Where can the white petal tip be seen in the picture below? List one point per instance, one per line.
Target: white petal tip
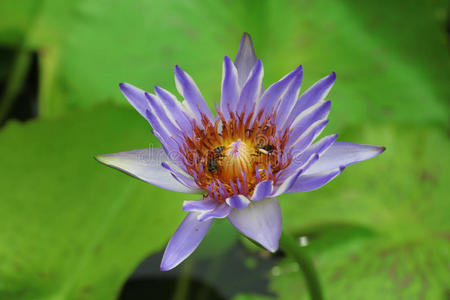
(102, 158)
(271, 248)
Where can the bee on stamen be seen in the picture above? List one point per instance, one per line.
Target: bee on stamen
(218, 151)
(265, 149)
(212, 165)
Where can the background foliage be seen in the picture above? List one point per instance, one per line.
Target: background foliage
(72, 229)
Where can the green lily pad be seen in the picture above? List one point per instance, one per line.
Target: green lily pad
(71, 227)
(381, 227)
(387, 70)
(252, 297)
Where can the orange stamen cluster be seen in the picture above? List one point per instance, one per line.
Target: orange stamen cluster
(232, 155)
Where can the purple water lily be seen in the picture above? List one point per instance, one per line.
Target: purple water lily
(259, 146)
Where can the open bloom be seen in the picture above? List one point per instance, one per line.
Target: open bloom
(259, 146)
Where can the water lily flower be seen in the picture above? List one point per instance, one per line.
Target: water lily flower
(260, 145)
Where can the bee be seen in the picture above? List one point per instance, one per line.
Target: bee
(212, 165)
(218, 151)
(265, 149)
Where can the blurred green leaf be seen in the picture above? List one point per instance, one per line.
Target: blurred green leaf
(74, 229)
(71, 227)
(392, 58)
(413, 270)
(252, 297)
(402, 190)
(380, 228)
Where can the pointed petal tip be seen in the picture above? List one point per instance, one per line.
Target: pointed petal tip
(273, 248)
(260, 222)
(102, 158)
(258, 66)
(177, 70)
(124, 87)
(378, 150)
(127, 88)
(272, 245)
(246, 45)
(165, 268)
(149, 97)
(344, 154)
(98, 157)
(246, 36)
(184, 241)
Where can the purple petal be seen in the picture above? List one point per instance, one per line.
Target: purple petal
(251, 92)
(145, 164)
(190, 92)
(200, 205)
(288, 100)
(277, 92)
(344, 154)
(310, 182)
(230, 87)
(316, 112)
(238, 201)
(184, 241)
(136, 97)
(307, 137)
(158, 111)
(174, 109)
(245, 59)
(262, 190)
(182, 177)
(260, 221)
(162, 134)
(316, 148)
(288, 179)
(311, 96)
(220, 211)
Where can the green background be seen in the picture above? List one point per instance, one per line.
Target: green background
(71, 228)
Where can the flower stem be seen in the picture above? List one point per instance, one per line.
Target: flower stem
(292, 248)
(19, 69)
(182, 287)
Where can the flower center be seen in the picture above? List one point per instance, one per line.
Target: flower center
(233, 155)
(237, 159)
